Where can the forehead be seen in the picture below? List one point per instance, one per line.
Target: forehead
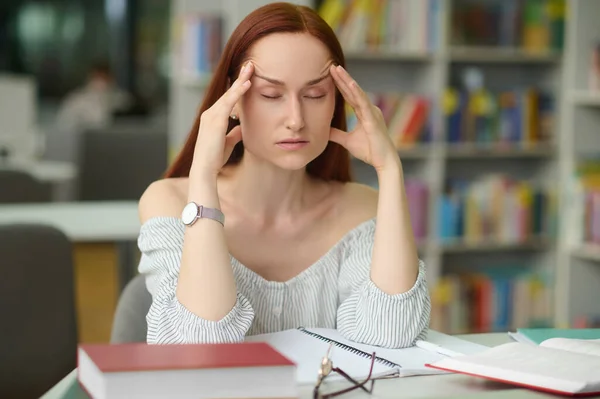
(290, 56)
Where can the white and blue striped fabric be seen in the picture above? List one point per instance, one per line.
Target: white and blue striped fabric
(334, 292)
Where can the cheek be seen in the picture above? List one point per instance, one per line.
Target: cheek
(321, 113)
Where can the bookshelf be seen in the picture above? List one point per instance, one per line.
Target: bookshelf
(428, 68)
(579, 263)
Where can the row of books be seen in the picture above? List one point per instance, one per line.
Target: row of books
(492, 301)
(406, 115)
(518, 118)
(200, 41)
(587, 321)
(384, 25)
(594, 68)
(417, 193)
(496, 208)
(588, 200)
(533, 25)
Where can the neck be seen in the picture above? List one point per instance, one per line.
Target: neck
(265, 192)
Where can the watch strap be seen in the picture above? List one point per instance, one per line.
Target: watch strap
(211, 213)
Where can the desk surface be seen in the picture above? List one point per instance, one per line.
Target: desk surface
(48, 171)
(436, 386)
(104, 221)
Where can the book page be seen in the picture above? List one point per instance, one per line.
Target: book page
(307, 352)
(588, 346)
(533, 365)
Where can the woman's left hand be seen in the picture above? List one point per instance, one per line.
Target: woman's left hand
(369, 141)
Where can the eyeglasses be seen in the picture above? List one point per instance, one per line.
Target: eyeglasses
(327, 367)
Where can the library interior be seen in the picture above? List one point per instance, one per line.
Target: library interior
(491, 105)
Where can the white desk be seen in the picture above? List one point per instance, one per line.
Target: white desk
(62, 176)
(103, 221)
(436, 386)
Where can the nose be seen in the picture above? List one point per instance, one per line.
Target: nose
(295, 120)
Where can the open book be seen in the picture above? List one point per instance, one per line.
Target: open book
(307, 346)
(558, 365)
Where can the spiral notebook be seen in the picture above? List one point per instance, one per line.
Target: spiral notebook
(307, 346)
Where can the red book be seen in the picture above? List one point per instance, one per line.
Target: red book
(139, 370)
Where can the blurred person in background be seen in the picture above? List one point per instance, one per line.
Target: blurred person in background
(94, 104)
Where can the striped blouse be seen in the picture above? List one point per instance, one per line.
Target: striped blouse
(334, 292)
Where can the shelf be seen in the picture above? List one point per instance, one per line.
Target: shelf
(406, 56)
(500, 55)
(194, 80)
(586, 98)
(416, 152)
(472, 151)
(588, 252)
(529, 245)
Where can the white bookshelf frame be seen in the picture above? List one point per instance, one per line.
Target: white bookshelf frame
(432, 161)
(578, 272)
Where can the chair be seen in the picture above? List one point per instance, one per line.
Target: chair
(129, 324)
(38, 344)
(119, 163)
(18, 186)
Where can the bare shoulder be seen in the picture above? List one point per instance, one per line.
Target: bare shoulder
(164, 197)
(359, 202)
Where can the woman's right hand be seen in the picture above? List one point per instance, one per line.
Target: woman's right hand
(214, 145)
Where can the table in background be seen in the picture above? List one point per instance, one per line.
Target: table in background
(105, 253)
(435, 386)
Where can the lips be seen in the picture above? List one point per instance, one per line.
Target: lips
(292, 144)
(292, 141)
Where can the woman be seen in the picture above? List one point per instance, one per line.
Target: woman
(299, 245)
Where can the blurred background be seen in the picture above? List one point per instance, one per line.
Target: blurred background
(494, 106)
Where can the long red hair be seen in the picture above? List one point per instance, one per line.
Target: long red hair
(334, 162)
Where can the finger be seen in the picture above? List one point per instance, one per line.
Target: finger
(338, 136)
(362, 101)
(231, 139)
(237, 89)
(343, 87)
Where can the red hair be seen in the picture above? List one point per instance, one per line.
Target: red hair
(331, 164)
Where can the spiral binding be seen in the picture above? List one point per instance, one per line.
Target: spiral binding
(350, 348)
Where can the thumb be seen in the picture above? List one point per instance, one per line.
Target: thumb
(231, 139)
(338, 136)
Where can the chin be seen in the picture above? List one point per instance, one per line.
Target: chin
(292, 161)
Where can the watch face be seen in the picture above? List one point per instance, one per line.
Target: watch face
(189, 213)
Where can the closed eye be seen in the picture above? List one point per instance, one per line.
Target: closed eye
(316, 97)
(270, 97)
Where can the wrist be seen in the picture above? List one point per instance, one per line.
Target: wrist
(203, 175)
(392, 168)
(202, 189)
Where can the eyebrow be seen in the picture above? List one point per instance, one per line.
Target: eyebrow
(280, 83)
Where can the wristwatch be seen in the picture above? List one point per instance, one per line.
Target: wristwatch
(192, 212)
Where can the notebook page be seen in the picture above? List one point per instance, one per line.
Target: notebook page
(454, 343)
(588, 346)
(412, 360)
(534, 365)
(307, 352)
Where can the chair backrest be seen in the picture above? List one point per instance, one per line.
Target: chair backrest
(38, 339)
(129, 323)
(17, 186)
(120, 163)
